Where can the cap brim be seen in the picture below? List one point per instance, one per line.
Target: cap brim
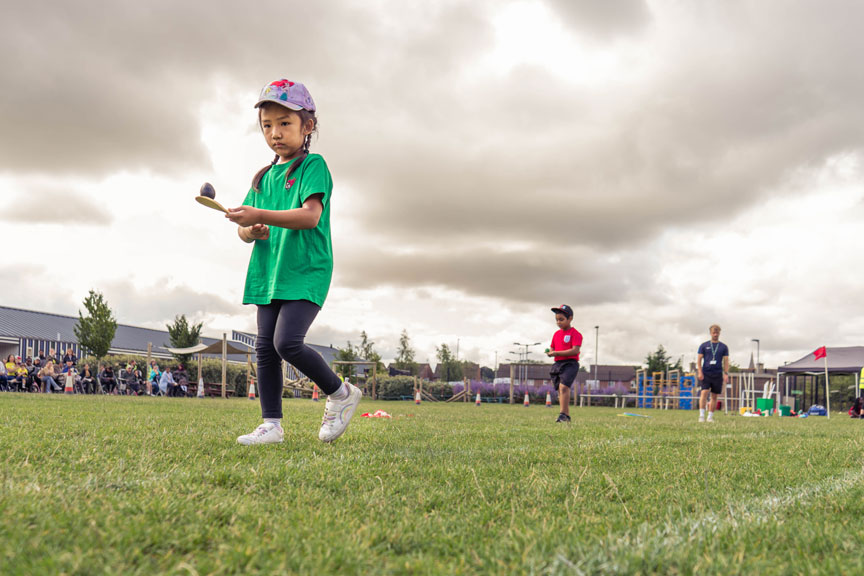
(560, 311)
(288, 105)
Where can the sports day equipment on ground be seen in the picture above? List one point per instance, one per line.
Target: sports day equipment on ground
(376, 414)
(207, 197)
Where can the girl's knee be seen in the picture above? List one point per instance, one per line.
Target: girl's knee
(289, 348)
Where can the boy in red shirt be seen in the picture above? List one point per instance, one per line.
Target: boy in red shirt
(565, 347)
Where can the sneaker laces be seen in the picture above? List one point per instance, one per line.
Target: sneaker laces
(329, 417)
(262, 430)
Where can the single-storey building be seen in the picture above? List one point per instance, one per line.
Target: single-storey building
(27, 332)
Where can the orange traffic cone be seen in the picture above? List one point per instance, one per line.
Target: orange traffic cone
(477, 401)
(527, 400)
(70, 383)
(548, 400)
(314, 393)
(417, 398)
(200, 393)
(251, 389)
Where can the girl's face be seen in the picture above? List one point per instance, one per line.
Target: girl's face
(284, 131)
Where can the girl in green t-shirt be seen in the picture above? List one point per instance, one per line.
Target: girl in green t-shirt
(286, 215)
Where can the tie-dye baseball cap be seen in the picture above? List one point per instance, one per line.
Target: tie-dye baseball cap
(292, 95)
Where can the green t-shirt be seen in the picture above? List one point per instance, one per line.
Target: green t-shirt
(292, 264)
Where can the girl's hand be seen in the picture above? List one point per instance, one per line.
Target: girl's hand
(244, 215)
(259, 232)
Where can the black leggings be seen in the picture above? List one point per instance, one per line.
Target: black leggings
(282, 327)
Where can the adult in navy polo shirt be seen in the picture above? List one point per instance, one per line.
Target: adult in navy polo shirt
(712, 364)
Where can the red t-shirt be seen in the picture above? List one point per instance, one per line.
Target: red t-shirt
(564, 340)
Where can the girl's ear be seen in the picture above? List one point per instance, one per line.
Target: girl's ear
(309, 127)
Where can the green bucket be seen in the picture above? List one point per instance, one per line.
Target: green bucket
(785, 410)
(765, 404)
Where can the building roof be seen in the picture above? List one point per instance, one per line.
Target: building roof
(612, 373)
(20, 323)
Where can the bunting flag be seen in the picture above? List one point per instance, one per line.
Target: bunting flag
(820, 353)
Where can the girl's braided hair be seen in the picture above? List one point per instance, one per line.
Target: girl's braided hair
(305, 116)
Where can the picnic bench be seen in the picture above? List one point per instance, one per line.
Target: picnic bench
(211, 389)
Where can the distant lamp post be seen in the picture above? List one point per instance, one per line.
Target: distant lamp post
(596, 354)
(756, 340)
(524, 369)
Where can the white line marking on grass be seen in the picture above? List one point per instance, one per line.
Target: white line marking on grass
(649, 540)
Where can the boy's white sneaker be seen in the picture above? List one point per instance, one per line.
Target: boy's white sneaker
(266, 433)
(710, 416)
(338, 413)
(701, 418)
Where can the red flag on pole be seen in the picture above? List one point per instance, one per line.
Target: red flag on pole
(820, 353)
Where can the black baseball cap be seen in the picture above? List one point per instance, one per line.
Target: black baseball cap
(563, 309)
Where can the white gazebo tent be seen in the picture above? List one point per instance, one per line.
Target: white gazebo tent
(224, 348)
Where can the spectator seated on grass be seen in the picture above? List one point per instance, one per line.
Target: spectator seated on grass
(153, 378)
(35, 383)
(69, 360)
(49, 375)
(166, 382)
(4, 378)
(857, 409)
(87, 380)
(107, 379)
(10, 366)
(182, 380)
(18, 376)
(136, 381)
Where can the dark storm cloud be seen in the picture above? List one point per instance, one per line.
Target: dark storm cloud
(517, 277)
(140, 307)
(741, 109)
(43, 205)
(118, 84)
(609, 17)
(443, 159)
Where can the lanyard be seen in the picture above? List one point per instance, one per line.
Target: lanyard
(714, 351)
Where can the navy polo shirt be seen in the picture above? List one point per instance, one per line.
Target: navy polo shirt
(713, 353)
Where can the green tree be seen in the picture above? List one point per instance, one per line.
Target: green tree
(347, 354)
(488, 374)
(660, 361)
(451, 369)
(95, 332)
(182, 335)
(405, 355)
(367, 351)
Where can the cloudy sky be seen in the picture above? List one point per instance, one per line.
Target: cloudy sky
(658, 165)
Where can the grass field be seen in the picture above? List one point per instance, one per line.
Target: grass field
(108, 485)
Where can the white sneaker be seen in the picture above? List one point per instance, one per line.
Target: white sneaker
(701, 418)
(266, 433)
(710, 416)
(338, 413)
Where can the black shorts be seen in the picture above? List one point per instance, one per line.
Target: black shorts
(564, 372)
(712, 381)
